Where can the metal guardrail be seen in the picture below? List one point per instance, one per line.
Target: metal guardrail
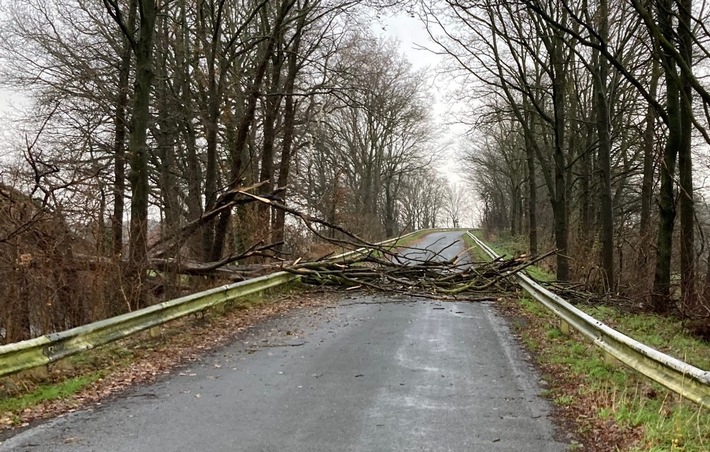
(55, 346)
(52, 347)
(687, 380)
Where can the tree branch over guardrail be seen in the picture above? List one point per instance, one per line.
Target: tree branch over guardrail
(52, 347)
(687, 380)
(416, 271)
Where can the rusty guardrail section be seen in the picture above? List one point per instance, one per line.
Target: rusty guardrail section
(687, 380)
(52, 347)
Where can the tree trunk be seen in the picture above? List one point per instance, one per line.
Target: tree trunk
(585, 204)
(685, 167)
(661, 297)
(532, 198)
(648, 163)
(193, 166)
(289, 121)
(211, 125)
(245, 123)
(240, 143)
(559, 208)
(138, 176)
(604, 152)
(272, 106)
(514, 209)
(287, 139)
(119, 144)
(165, 136)
(212, 39)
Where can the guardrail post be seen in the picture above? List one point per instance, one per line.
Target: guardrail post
(154, 332)
(565, 328)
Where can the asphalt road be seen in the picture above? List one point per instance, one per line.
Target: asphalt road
(439, 246)
(370, 374)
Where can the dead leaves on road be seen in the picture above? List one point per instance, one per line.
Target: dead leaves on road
(142, 359)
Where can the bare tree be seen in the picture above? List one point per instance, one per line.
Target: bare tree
(375, 132)
(454, 204)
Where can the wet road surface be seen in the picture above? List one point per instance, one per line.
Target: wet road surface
(437, 246)
(373, 373)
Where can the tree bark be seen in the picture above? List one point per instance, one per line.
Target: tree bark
(138, 148)
(661, 297)
(648, 164)
(272, 106)
(245, 123)
(119, 144)
(604, 151)
(287, 139)
(559, 207)
(193, 166)
(532, 197)
(685, 166)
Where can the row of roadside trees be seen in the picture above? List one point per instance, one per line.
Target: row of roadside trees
(147, 118)
(592, 115)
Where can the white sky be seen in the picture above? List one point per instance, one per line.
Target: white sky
(10, 103)
(414, 40)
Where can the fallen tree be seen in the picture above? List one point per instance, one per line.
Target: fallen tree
(406, 270)
(401, 271)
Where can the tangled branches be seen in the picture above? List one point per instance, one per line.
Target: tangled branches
(418, 272)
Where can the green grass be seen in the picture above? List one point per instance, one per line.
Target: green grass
(510, 247)
(662, 333)
(612, 391)
(534, 307)
(48, 392)
(473, 249)
(617, 393)
(74, 373)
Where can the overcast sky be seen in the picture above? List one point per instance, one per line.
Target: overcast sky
(414, 42)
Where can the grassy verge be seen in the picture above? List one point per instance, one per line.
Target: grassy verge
(610, 406)
(507, 246)
(476, 253)
(47, 392)
(32, 394)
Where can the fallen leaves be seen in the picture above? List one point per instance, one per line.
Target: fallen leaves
(180, 343)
